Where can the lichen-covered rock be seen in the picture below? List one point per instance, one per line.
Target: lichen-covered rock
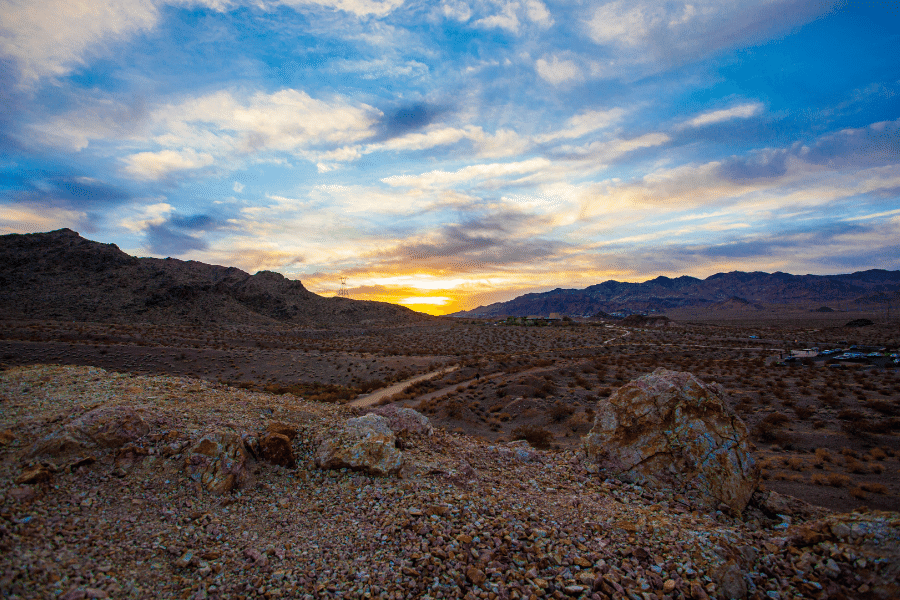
(105, 427)
(405, 423)
(275, 448)
(218, 461)
(672, 430)
(365, 443)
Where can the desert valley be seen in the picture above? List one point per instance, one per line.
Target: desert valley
(215, 434)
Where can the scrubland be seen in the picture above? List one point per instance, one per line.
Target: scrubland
(830, 436)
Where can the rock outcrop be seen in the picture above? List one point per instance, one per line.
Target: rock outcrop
(106, 427)
(275, 448)
(405, 423)
(218, 461)
(365, 443)
(670, 429)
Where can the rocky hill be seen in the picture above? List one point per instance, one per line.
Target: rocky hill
(872, 289)
(113, 486)
(61, 276)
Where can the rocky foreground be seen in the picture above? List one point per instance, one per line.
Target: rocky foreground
(158, 487)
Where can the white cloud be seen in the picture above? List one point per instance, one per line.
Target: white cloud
(481, 172)
(224, 128)
(24, 218)
(51, 37)
(156, 165)
(538, 13)
(458, 11)
(143, 217)
(238, 187)
(510, 14)
(608, 150)
(743, 111)
(583, 124)
(360, 8)
(558, 70)
(656, 34)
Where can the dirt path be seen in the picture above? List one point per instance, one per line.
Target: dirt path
(374, 397)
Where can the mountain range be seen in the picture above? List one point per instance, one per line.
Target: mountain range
(62, 276)
(865, 290)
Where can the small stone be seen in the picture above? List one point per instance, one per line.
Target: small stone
(35, 474)
(95, 593)
(464, 538)
(22, 494)
(840, 531)
(185, 559)
(582, 562)
(74, 594)
(475, 575)
(415, 512)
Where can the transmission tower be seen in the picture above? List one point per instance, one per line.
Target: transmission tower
(343, 292)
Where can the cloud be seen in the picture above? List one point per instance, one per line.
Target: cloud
(503, 238)
(146, 216)
(743, 111)
(510, 15)
(583, 124)
(156, 165)
(762, 164)
(360, 8)
(65, 190)
(223, 128)
(162, 240)
(650, 35)
(409, 118)
(614, 149)
(877, 144)
(51, 37)
(558, 71)
(28, 218)
(491, 171)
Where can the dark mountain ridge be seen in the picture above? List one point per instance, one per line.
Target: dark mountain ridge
(872, 289)
(62, 276)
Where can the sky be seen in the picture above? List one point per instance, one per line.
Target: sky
(449, 154)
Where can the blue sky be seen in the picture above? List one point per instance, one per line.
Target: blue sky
(449, 154)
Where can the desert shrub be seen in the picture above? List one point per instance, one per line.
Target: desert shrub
(804, 411)
(837, 480)
(795, 463)
(875, 488)
(560, 412)
(858, 492)
(775, 419)
(855, 466)
(885, 408)
(824, 455)
(537, 437)
(878, 453)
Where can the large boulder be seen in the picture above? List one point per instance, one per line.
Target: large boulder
(105, 427)
(405, 423)
(365, 444)
(669, 429)
(218, 461)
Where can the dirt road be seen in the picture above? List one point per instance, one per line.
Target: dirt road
(374, 397)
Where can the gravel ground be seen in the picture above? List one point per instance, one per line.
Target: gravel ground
(472, 520)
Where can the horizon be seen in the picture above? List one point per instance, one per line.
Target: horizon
(445, 156)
